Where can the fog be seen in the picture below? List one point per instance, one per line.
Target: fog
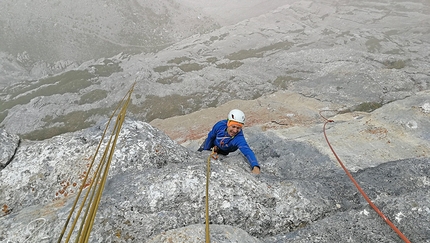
(64, 60)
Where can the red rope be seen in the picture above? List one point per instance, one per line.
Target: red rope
(401, 235)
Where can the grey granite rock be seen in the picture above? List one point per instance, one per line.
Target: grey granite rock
(348, 53)
(363, 64)
(197, 234)
(9, 145)
(156, 190)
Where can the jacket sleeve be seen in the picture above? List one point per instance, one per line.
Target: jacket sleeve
(247, 152)
(209, 142)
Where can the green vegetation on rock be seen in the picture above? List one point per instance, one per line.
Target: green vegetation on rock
(107, 69)
(93, 96)
(71, 122)
(368, 106)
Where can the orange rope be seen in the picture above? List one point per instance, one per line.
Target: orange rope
(401, 235)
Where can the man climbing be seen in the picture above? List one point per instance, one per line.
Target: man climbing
(227, 136)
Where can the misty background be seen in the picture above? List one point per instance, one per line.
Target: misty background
(65, 65)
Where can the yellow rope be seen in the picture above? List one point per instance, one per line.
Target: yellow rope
(89, 223)
(96, 186)
(208, 240)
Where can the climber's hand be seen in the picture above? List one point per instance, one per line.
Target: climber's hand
(255, 170)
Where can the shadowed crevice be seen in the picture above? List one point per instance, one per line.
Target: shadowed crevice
(12, 157)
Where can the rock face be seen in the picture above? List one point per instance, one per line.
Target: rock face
(10, 144)
(196, 234)
(354, 54)
(363, 65)
(156, 187)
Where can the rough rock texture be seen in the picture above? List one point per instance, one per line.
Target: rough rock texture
(400, 190)
(196, 234)
(156, 188)
(10, 144)
(394, 131)
(347, 52)
(363, 64)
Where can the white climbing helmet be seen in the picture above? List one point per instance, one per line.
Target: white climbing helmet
(236, 115)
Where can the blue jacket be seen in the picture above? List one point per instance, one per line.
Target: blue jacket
(219, 137)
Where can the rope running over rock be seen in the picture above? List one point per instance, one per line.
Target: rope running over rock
(401, 235)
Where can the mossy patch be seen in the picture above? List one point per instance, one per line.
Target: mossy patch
(3, 115)
(69, 82)
(398, 64)
(71, 122)
(169, 80)
(93, 96)
(164, 107)
(230, 65)
(214, 38)
(167, 106)
(57, 81)
(189, 67)
(283, 45)
(244, 54)
(211, 59)
(179, 60)
(368, 106)
(373, 45)
(257, 53)
(161, 69)
(185, 67)
(284, 81)
(107, 69)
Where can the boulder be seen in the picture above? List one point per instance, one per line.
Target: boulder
(155, 192)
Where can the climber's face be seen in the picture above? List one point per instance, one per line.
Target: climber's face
(233, 130)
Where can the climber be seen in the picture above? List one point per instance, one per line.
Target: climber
(227, 136)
